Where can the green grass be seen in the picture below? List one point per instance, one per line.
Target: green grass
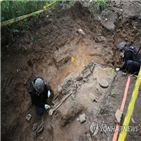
(101, 4)
(13, 9)
(101, 111)
(113, 92)
(112, 70)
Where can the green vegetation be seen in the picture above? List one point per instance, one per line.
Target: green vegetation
(14, 9)
(101, 4)
(10, 9)
(98, 6)
(112, 70)
(113, 93)
(101, 110)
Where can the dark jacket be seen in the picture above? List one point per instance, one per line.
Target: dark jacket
(130, 54)
(41, 99)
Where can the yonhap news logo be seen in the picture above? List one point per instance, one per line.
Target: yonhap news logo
(95, 127)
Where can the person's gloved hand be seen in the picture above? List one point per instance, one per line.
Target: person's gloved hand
(117, 69)
(122, 55)
(48, 94)
(46, 106)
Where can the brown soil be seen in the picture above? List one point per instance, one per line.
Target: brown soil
(55, 41)
(110, 104)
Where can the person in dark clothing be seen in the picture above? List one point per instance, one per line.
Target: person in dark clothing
(130, 58)
(39, 93)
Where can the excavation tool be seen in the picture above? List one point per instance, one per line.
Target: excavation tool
(59, 104)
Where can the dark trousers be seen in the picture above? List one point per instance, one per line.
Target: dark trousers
(39, 110)
(132, 66)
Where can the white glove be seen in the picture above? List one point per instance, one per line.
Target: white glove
(122, 55)
(117, 69)
(48, 94)
(47, 106)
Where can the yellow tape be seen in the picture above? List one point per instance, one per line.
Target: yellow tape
(26, 16)
(130, 110)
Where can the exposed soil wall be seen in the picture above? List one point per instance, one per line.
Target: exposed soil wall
(55, 40)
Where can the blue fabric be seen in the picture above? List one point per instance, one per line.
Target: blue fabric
(132, 66)
(128, 60)
(39, 100)
(39, 110)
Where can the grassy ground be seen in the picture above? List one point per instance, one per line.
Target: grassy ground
(13, 9)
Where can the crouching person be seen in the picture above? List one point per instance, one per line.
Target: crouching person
(132, 60)
(133, 66)
(39, 93)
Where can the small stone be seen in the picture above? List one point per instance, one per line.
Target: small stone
(73, 97)
(118, 116)
(124, 73)
(28, 117)
(79, 77)
(18, 70)
(80, 31)
(85, 80)
(103, 83)
(133, 120)
(59, 89)
(35, 126)
(78, 119)
(82, 118)
(106, 20)
(25, 81)
(99, 18)
(93, 97)
(126, 39)
(118, 30)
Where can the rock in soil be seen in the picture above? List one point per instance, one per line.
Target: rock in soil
(82, 118)
(118, 115)
(93, 97)
(79, 77)
(80, 31)
(103, 83)
(28, 117)
(59, 89)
